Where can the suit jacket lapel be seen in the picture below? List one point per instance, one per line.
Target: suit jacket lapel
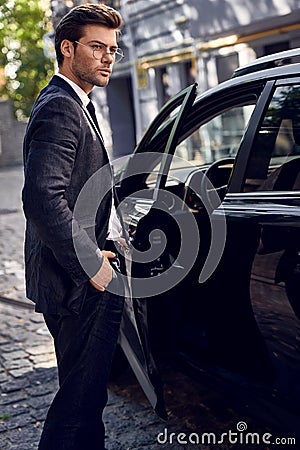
(58, 81)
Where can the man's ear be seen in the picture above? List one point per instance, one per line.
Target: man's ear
(67, 48)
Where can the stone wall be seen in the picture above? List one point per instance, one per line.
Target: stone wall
(11, 136)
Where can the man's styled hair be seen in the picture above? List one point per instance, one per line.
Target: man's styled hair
(71, 25)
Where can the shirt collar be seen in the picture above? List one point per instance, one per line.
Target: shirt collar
(80, 92)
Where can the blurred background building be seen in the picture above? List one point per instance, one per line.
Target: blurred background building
(169, 44)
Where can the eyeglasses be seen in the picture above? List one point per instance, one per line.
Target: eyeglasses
(100, 50)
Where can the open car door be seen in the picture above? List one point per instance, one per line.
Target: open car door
(137, 212)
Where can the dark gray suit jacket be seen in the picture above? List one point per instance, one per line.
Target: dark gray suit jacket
(61, 152)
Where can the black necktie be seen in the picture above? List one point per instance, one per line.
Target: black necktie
(91, 109)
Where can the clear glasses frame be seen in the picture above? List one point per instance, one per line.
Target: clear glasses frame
(100, 50)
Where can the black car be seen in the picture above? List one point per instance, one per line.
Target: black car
(211, 202)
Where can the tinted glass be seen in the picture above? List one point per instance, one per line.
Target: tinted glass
(275, 158)
(218, 138)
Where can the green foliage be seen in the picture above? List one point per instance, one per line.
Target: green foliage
(24, 69)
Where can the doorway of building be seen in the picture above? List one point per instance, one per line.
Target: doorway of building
(121, 114)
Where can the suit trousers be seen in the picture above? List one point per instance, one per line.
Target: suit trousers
(84, 345)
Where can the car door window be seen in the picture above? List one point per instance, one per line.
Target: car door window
(218, 138)
(212, 131)
(275, 157)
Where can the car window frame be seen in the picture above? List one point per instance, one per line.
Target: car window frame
(210, 104)
(238, 177)
(261, 206)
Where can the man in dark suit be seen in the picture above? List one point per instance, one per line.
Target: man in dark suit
(68, 274)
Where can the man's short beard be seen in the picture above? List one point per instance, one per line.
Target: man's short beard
(87, 78)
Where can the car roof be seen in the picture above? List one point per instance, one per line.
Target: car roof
(262, 69)
(267, 62)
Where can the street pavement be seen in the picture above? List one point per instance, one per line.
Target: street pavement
(28, 375)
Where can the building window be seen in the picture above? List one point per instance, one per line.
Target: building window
(277, 47)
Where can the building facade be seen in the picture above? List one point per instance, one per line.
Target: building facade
(169, 44)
